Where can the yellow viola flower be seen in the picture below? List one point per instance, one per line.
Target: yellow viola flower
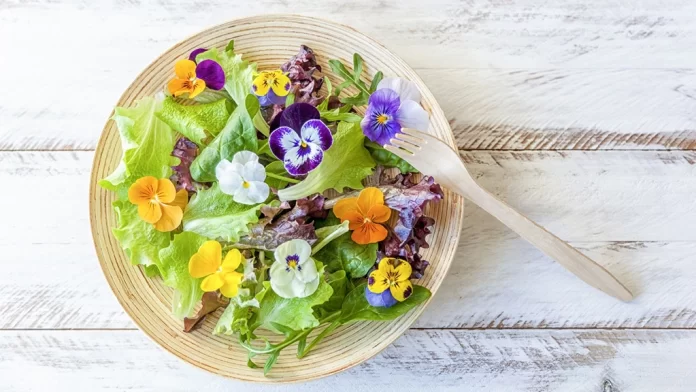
(158, 202)
(186, 80)
(219, 274)
(271, 80)
(393, 275)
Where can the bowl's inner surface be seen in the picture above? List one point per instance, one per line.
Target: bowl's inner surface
(269, 41)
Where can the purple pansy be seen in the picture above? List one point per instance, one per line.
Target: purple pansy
(301, 139)
(393, 106)
(385, 299)
(208, 70)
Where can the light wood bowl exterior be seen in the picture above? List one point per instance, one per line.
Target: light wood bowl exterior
(269, 41)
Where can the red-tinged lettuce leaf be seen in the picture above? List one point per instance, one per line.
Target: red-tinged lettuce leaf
(210, 302)
(186, 151)
(409, 199)
(283, 222)
(301, 69)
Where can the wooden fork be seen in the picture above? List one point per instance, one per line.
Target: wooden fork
(434, 157)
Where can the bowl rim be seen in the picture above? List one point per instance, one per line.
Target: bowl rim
(93, 203)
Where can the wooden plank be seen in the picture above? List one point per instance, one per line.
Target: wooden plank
(609, 204)
(520, 74)
(448, 360)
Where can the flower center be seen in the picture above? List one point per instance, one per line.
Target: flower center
(303, 144)
(293, 262)
(367, 220)
(382, 119)
(246, 184)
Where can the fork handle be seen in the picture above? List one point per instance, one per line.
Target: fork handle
(582, 266)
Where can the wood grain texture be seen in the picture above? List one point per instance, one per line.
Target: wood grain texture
(510, 75)
(442, 360)
(496, 281)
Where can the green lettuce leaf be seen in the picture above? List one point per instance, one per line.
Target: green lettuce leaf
(387, 159)
(196, 122)
(344, 254)
(355, 306)
(174, 261)
(139, 239)
(283, 314)
(147, 143)
(238, 73)
(214, 214)
(236, 316)
(339, 283)
(327, 234)
(239, 134)
(345, 165)
(276, 167)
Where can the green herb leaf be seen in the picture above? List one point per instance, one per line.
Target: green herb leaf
(387, 159)
(357, 67)
(254, 110)
(355, 306)
(174, 268)
(146, 140)
(375, 81)
(327, 234)
(196, 122)
(345, 165)
(238, 135)
(289, 100)
(292, 313)
(344, 254)
(270, 362)
(214, 214)
(337, 115)
(339, 283)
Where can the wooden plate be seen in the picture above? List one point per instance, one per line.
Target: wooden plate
(269, 41)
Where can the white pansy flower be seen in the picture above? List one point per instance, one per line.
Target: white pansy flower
(243, 178)
(294, 273)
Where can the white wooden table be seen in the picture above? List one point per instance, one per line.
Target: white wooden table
(582, 114)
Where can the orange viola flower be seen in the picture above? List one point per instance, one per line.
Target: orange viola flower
(158, 202)
(364, 214)
(186, 80)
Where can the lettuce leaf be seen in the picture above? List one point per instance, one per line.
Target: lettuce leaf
(344, 254)
(146, 141)
(139, 239)
(278, 314)
(214, 214)
(239, 134)
(236, 316)
(329, 233)
(387, 159)
(345, 165)
(238, 73)
(174, 261)
(196, 122)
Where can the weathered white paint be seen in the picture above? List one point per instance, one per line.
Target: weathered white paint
(510, 75)
(52, 278)
(438, 360)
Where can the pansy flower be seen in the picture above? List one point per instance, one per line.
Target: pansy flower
(271, 87)
(389, 283)
(395, 105)
(218, 274)
(301, 139)
(243, 178)
(294, 273)
(365, 214)
(192, 78)
(158, 202)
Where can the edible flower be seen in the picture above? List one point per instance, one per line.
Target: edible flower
(192, 78)
(271, 87)
(158, 202)
(243, 178)
(365, 213)
(294, 273)
(218, 274)
(395, 105)
(301, 139)
(389, 283)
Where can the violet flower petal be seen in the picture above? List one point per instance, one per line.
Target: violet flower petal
(282, 140)
(382, 300)
(303, 159)
(270, 99)
(295, 115)
(195, 53)
(211, 72)
(381, 121)
(316, 132)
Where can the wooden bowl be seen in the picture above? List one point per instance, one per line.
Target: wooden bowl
(269, 41)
